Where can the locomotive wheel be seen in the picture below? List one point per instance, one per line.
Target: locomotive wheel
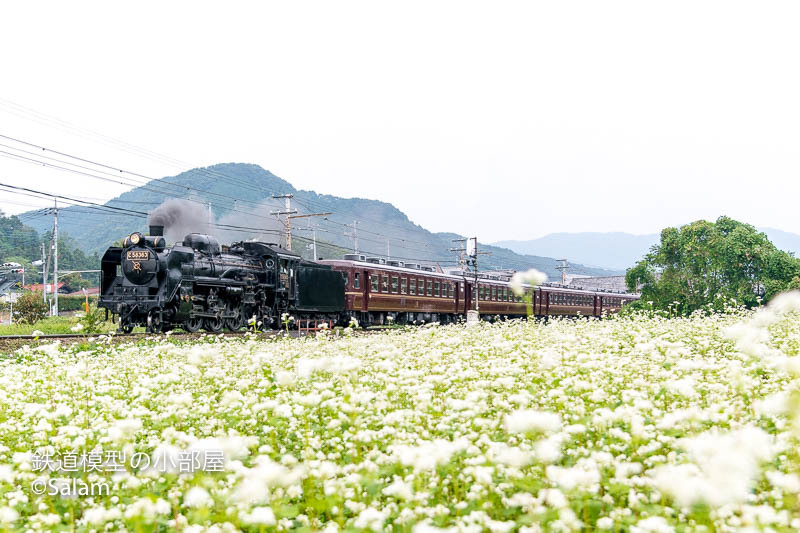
(124, 327)
(193, 324)
(236, 322)
(155, 323)
(213, 325)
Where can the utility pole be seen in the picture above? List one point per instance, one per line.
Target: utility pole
(461, 254)
(47, 273)
(563, 268)
(353, 235)
(55, 258)
(473, 253)
(44, 276)
(387, 250)
(287, 211)
(289, 228)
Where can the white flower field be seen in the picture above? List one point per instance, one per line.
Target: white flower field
(640, 424)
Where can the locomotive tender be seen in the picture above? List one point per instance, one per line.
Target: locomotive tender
(199, 284)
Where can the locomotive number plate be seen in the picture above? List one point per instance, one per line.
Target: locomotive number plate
(138, 255)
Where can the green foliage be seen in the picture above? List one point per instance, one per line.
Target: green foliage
(74, 303)
(53, 325)
(706, 265)
(29, 307)
(21, 244)
(16, 239)
(94, 321)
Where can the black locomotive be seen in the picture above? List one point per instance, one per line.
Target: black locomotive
(198, 284)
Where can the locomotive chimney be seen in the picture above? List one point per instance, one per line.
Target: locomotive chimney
(156, 231)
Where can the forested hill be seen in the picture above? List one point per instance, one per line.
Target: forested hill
(239, 196)
(21, 244)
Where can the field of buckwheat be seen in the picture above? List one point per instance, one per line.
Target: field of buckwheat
(641, 424)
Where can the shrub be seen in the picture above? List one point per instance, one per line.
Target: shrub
(30, 308)
(93, 321)
(74, 303)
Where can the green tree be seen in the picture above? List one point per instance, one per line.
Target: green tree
(29, 307)
(16, 239)
(709, 264)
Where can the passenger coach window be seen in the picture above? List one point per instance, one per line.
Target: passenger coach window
(421, 287)
(482, 293)
(346, 279)
(356, 281)
(374, 283)
(394, 284)
(403, 285)
(385, 284)
(412, 286)
(450, 290)
(494, 293)
(436, 288)
(429, 292)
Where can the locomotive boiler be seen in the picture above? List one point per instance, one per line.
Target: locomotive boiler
(197, 284)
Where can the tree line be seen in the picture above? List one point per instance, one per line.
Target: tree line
(711, 266)
(22, 244)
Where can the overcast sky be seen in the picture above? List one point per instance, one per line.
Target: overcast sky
(504, 120)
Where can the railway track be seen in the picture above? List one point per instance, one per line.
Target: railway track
(115, 335)
(11, 342)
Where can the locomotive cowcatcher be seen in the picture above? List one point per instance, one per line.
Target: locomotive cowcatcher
(198, 284)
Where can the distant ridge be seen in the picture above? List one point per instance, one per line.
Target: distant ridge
(617, 250)
(247, 183)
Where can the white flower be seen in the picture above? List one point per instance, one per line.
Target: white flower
(531, 278)
(285, 378)
(124, 429)
(653, 524)
(197, 497)
(8, 515)
(100, 515)
(371, 519)
(259, 516)
(76, 328)
(605, 523)
(723, 471)
(526, 420)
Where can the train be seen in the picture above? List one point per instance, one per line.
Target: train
(199, 284)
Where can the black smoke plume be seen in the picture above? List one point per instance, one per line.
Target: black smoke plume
(181, 217)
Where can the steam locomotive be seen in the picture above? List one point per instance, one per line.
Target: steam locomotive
(199, 284)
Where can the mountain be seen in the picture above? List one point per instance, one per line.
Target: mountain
(239, 197)
(788, 242)
(616, 250)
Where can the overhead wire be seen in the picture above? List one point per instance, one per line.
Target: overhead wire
(127, 212)
(206, 171)
(149, 154)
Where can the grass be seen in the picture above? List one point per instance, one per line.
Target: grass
(49, 326)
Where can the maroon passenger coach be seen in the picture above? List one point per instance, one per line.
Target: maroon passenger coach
(379, 293)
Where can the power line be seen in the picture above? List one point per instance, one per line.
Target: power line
(140, 214)
(148, 185)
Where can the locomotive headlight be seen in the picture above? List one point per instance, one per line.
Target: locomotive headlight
(135, 238)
